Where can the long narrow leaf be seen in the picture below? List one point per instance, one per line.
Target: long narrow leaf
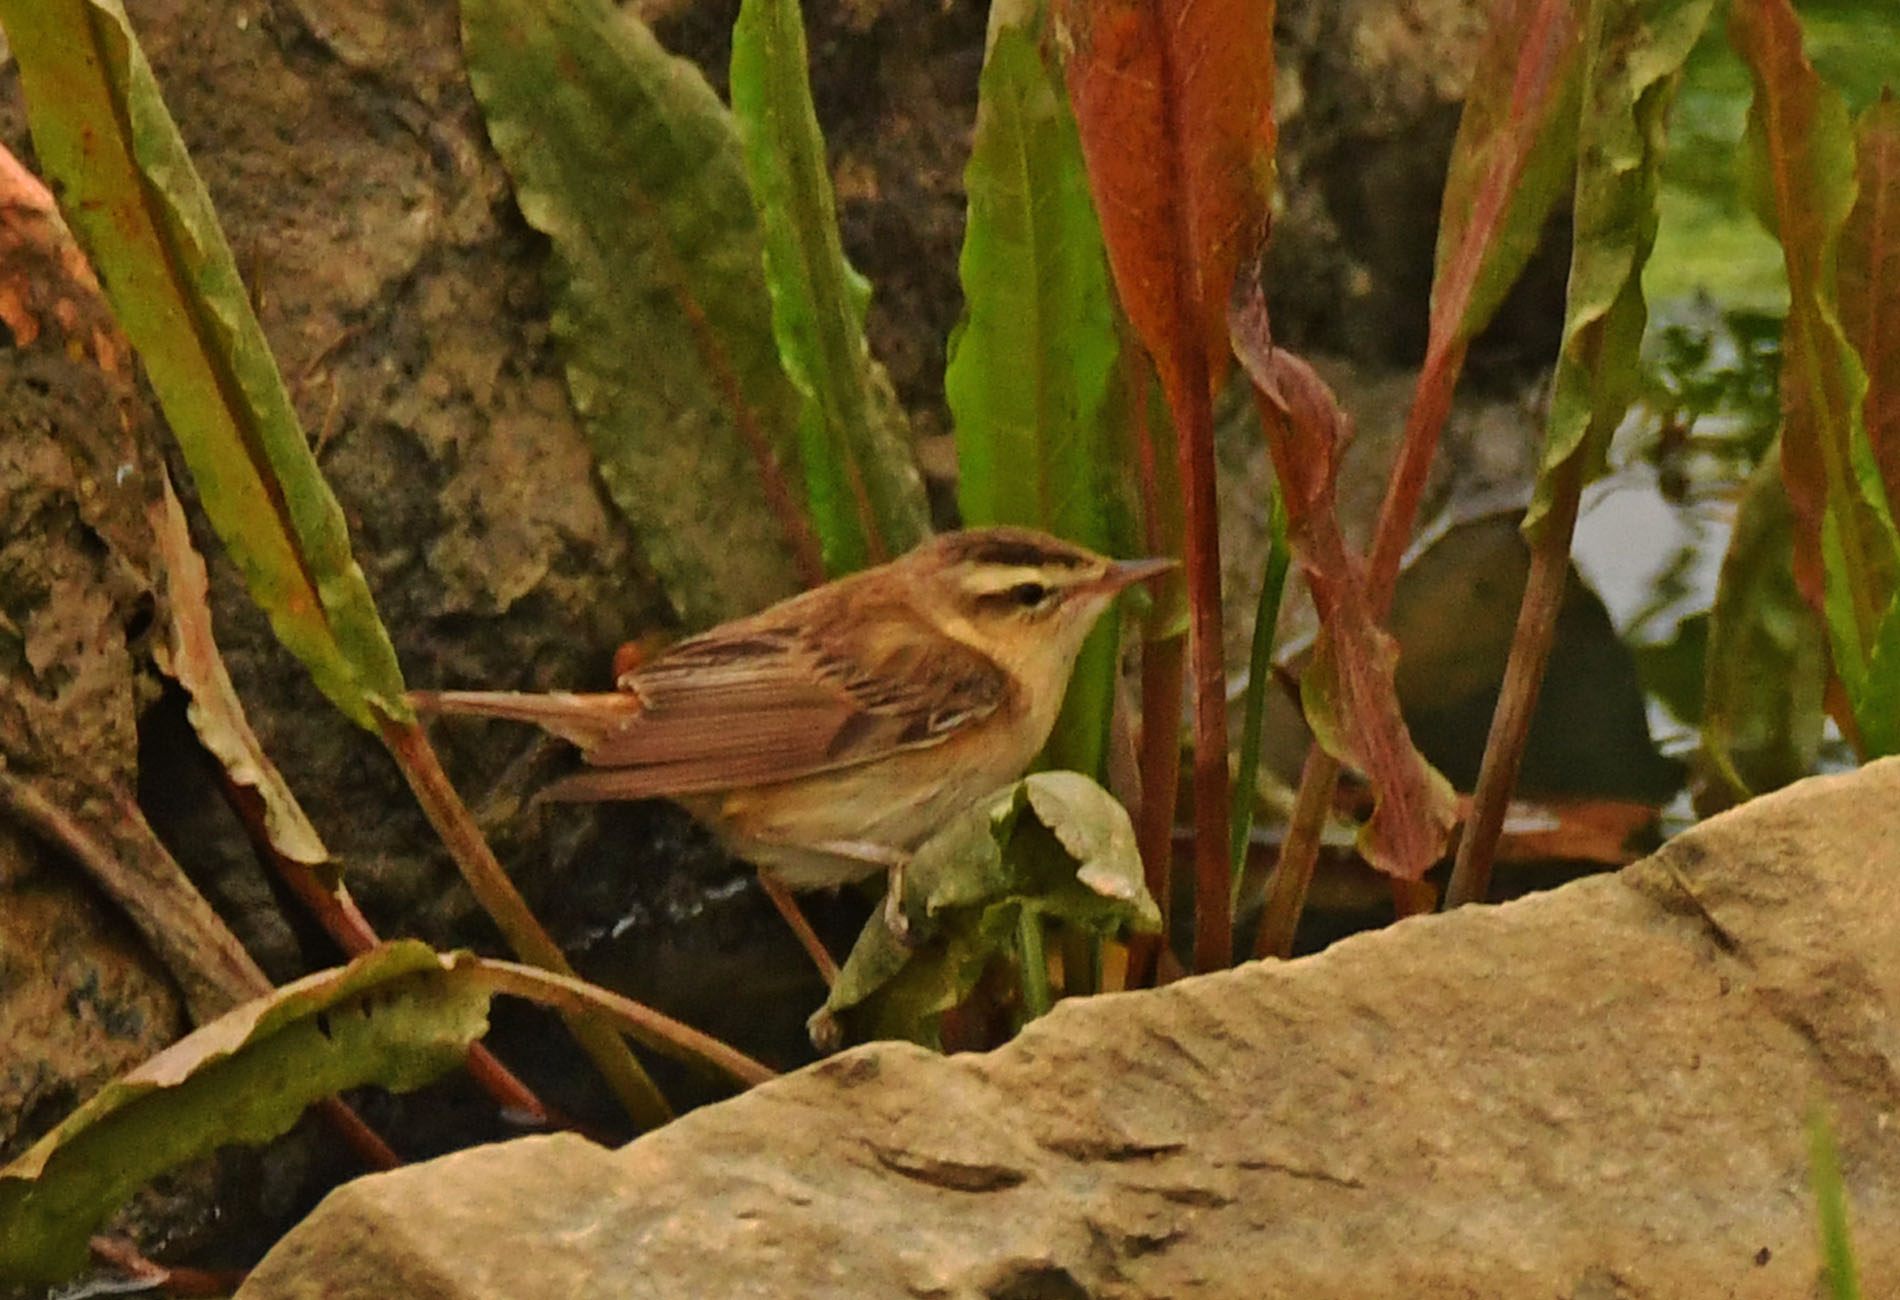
(1511, 163)
(1174, 103)
(624, 156)
(1830, 1200)
(1032, 363)
(1870, 281)
(1801, 151)
(1635, 52)
(131, 195)
(867, 496)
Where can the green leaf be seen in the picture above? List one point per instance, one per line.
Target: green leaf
(1032, 361)
(1766, 664)
(1801, 155)
(866, 495)
(137, 206)
(398, 1017)
(1512, 162)
(625, 158)
(1830, 1197)
(1634, 52)
(1054, 845)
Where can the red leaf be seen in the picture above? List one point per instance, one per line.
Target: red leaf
(1351, 701)
(1870, 281)
(1173, 100)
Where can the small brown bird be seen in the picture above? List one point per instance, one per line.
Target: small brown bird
(827, 737)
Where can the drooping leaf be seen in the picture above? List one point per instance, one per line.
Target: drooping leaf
(1870, 281)
(1053, 845)
(1174, 103)
(1348, 692)
(1634, 51)
(1766, 664)
(866, 495)
(625, 158)
(191, 656)
(1800, 151)
(399, 1017)
(130, 193)
(1032, 362)
(1511, 163)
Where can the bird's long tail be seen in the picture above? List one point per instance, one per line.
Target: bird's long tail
(583, 720)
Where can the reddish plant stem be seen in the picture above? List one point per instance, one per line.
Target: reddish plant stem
(1517, 699)
(1188, 383)
(413, 753)
(1398, 515)
(775, 889)
(336, 911)
(1162, 667)
(1213, 895)
(357, 1134)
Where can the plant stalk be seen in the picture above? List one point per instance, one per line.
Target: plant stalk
(410, 747)
(1037, 999)
(1523, 675)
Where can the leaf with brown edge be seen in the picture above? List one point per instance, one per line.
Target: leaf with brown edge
(1870, 281)
(1801, 168)
(1511, 163)
(140, 210)
(189, 654)
(1348, 692)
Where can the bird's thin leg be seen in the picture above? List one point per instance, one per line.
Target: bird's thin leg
(893, 860)
(781, 896)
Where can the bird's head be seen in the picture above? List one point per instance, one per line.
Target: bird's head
(1024, 598)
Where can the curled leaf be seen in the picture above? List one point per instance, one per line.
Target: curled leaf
(1348, 692)
(190, 655)
(1054, 844)
(399, 1017)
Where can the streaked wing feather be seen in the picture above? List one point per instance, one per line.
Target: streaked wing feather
(764, 702)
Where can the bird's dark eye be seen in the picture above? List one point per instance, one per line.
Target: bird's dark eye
(1029, 594)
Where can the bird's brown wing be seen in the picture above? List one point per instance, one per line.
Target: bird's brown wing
(770, 700)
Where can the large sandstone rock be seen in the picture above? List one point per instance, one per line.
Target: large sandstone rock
(1597, 1094)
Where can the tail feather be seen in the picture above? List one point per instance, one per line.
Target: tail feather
(583, 720)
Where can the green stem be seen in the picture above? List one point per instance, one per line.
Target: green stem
(1037, 998)
(1259, 678)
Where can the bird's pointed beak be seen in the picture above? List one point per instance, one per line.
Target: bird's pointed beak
(1126, 573)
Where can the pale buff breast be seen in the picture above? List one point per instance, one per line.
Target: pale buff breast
(895, 802)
